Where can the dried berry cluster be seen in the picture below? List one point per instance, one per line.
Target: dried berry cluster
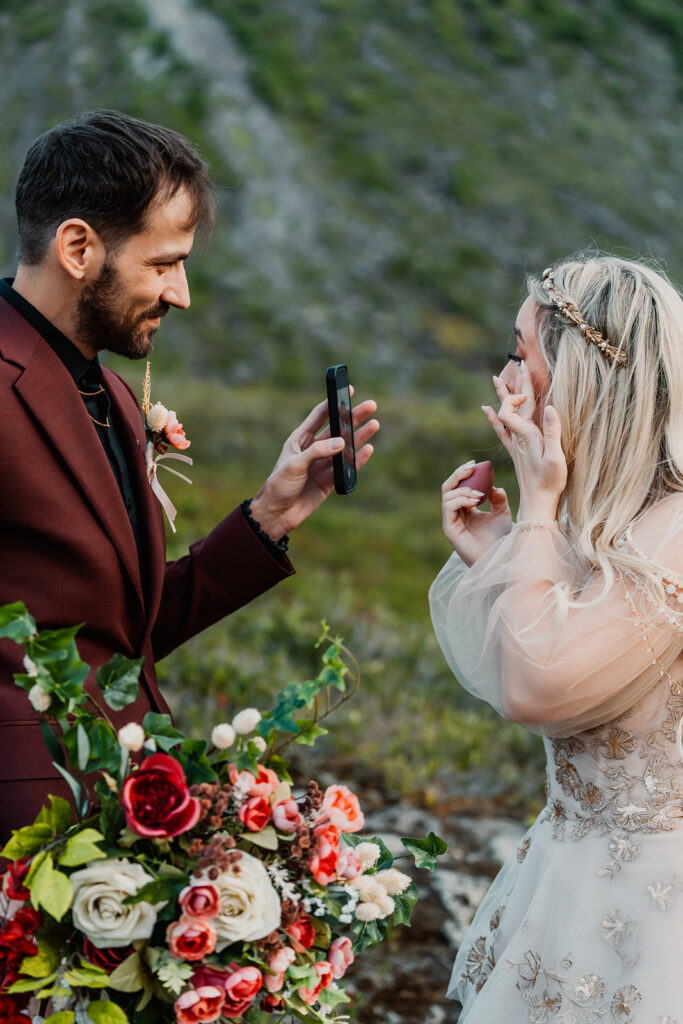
(213, 800)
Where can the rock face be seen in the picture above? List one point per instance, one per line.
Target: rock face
(405, 979)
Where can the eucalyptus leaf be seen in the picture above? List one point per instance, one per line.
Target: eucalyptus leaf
(51, 741)
(74, 786)
(267, 838)
(83, 747)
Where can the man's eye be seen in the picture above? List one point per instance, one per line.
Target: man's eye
(514, 357)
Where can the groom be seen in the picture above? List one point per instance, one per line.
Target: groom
(107, 210)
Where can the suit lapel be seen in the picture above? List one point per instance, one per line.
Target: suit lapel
(49, 392)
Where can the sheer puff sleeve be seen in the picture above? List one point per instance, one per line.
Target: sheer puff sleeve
(528, 631)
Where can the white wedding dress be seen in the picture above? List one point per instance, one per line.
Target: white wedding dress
(584, 925)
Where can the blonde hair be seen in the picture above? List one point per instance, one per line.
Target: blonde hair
(622, 427)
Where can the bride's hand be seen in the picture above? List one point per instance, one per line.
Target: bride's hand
(537, 454)
(471, 531)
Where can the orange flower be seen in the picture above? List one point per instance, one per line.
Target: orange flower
(341, 806)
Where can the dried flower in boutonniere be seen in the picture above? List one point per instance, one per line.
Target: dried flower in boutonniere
(162, 429)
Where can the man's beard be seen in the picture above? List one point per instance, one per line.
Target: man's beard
(102, 323)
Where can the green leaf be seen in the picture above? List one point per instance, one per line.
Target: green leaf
(267, 838)
(80, 848)
(161, 890)
(403, 904)
(425, 851)
(57, 816)
(118, 680)
(368, 933)
(46, 961)
(192, 756)
(83, 747)
(128, 976)
(15, 622)
(51, 889)
(74, 786)
(51, 741)
(26, 841)
(385, 859)
(63, 1017)
(160, 728)
(333, 997)
(30, 984)
(309, 732)
(101, 1011)
(87, 976)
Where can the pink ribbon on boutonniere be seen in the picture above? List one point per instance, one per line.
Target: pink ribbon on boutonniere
(162, 429)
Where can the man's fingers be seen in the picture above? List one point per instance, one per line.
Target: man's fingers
(364, 433)
(363, 454)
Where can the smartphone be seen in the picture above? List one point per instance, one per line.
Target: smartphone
(341, 425)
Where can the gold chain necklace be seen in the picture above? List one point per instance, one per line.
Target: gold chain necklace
(91, 394)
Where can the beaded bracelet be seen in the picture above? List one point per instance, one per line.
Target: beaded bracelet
(523, 524)
(281, 545)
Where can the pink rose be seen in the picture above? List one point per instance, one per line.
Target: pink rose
(324, 969)
(199, 1004)
(190, 939)
(255, 813)
(341, 807)
(200, 901)
(174, 433)
(310, 995)
(241, 988)
(278, 964)
(340, 956)
(323, 863)
(156, 799)
(302, 933)
(286, 816)
(349, 865)
(264, 784)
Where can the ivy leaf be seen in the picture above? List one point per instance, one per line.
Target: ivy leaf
(333, 997)
(192, 756)
(159, 727)
(119, 681)
(403, 905)
(81, 848)
(368, 933)
(44, 963)
(385, 859)
(102, 1011)
(15, 622)
(309, 732)
(425, 851)
(27, 840)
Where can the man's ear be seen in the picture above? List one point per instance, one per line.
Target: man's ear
(79, 248)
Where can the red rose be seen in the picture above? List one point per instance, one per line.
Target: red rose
(14, 875)
(255, 813)
(191, 939)
(323, 863)
(29, 919)
(302, 934)
(107, 958)
(200, 901)
(199, 1005)
(208, 975)
(241, 989)
(270, 1003)
(10, 1012)
(156, 799)
(325, 973)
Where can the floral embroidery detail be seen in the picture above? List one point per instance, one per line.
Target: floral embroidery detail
(523, 848)
(494, 923)
(613, 928)
(623, 935)
(590, 797)
(661, 895)
(618, 744)
(542, 1008)
(624, 1002)
(481, 959)
(590, 987)
(622, 849)
(528, 970)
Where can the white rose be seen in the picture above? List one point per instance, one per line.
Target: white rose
(156, 417)
(98, 909)
(367, 853)
(40, 700)
(223, 736)
(246, 721)
(250, 906)
(132, 736)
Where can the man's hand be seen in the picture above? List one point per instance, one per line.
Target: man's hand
(302, 476)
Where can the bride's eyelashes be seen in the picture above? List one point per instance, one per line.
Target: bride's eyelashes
(514, 357)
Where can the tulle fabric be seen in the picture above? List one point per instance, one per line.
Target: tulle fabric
(527, 630)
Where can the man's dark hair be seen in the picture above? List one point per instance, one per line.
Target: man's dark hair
(106, 168)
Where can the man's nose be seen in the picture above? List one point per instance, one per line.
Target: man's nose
(176, 290)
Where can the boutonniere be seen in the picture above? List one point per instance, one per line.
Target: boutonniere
(162, 429)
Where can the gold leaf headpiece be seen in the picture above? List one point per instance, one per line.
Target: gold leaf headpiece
(571, 312)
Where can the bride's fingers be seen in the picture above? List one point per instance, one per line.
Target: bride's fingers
(501, 431)
(455, 501)
(526, 389)
(508, 415)
(458, 475)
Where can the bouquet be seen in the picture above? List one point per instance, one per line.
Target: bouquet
(194, 882)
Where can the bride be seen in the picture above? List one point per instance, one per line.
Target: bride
(570, 621)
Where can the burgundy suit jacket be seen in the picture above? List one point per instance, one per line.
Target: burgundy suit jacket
(67, 550)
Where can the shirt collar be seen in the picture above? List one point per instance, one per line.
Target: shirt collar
(74, 360)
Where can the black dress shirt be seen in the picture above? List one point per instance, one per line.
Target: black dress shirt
(87, 376)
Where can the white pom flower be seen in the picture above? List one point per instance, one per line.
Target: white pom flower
(371, 891)
(156, 417)
(30, 667)
(368, 854)
(246, 721)
(223, 736)
(368, 912)
(259, 743)
(395, 882)
(131, 736)
(40, 700)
